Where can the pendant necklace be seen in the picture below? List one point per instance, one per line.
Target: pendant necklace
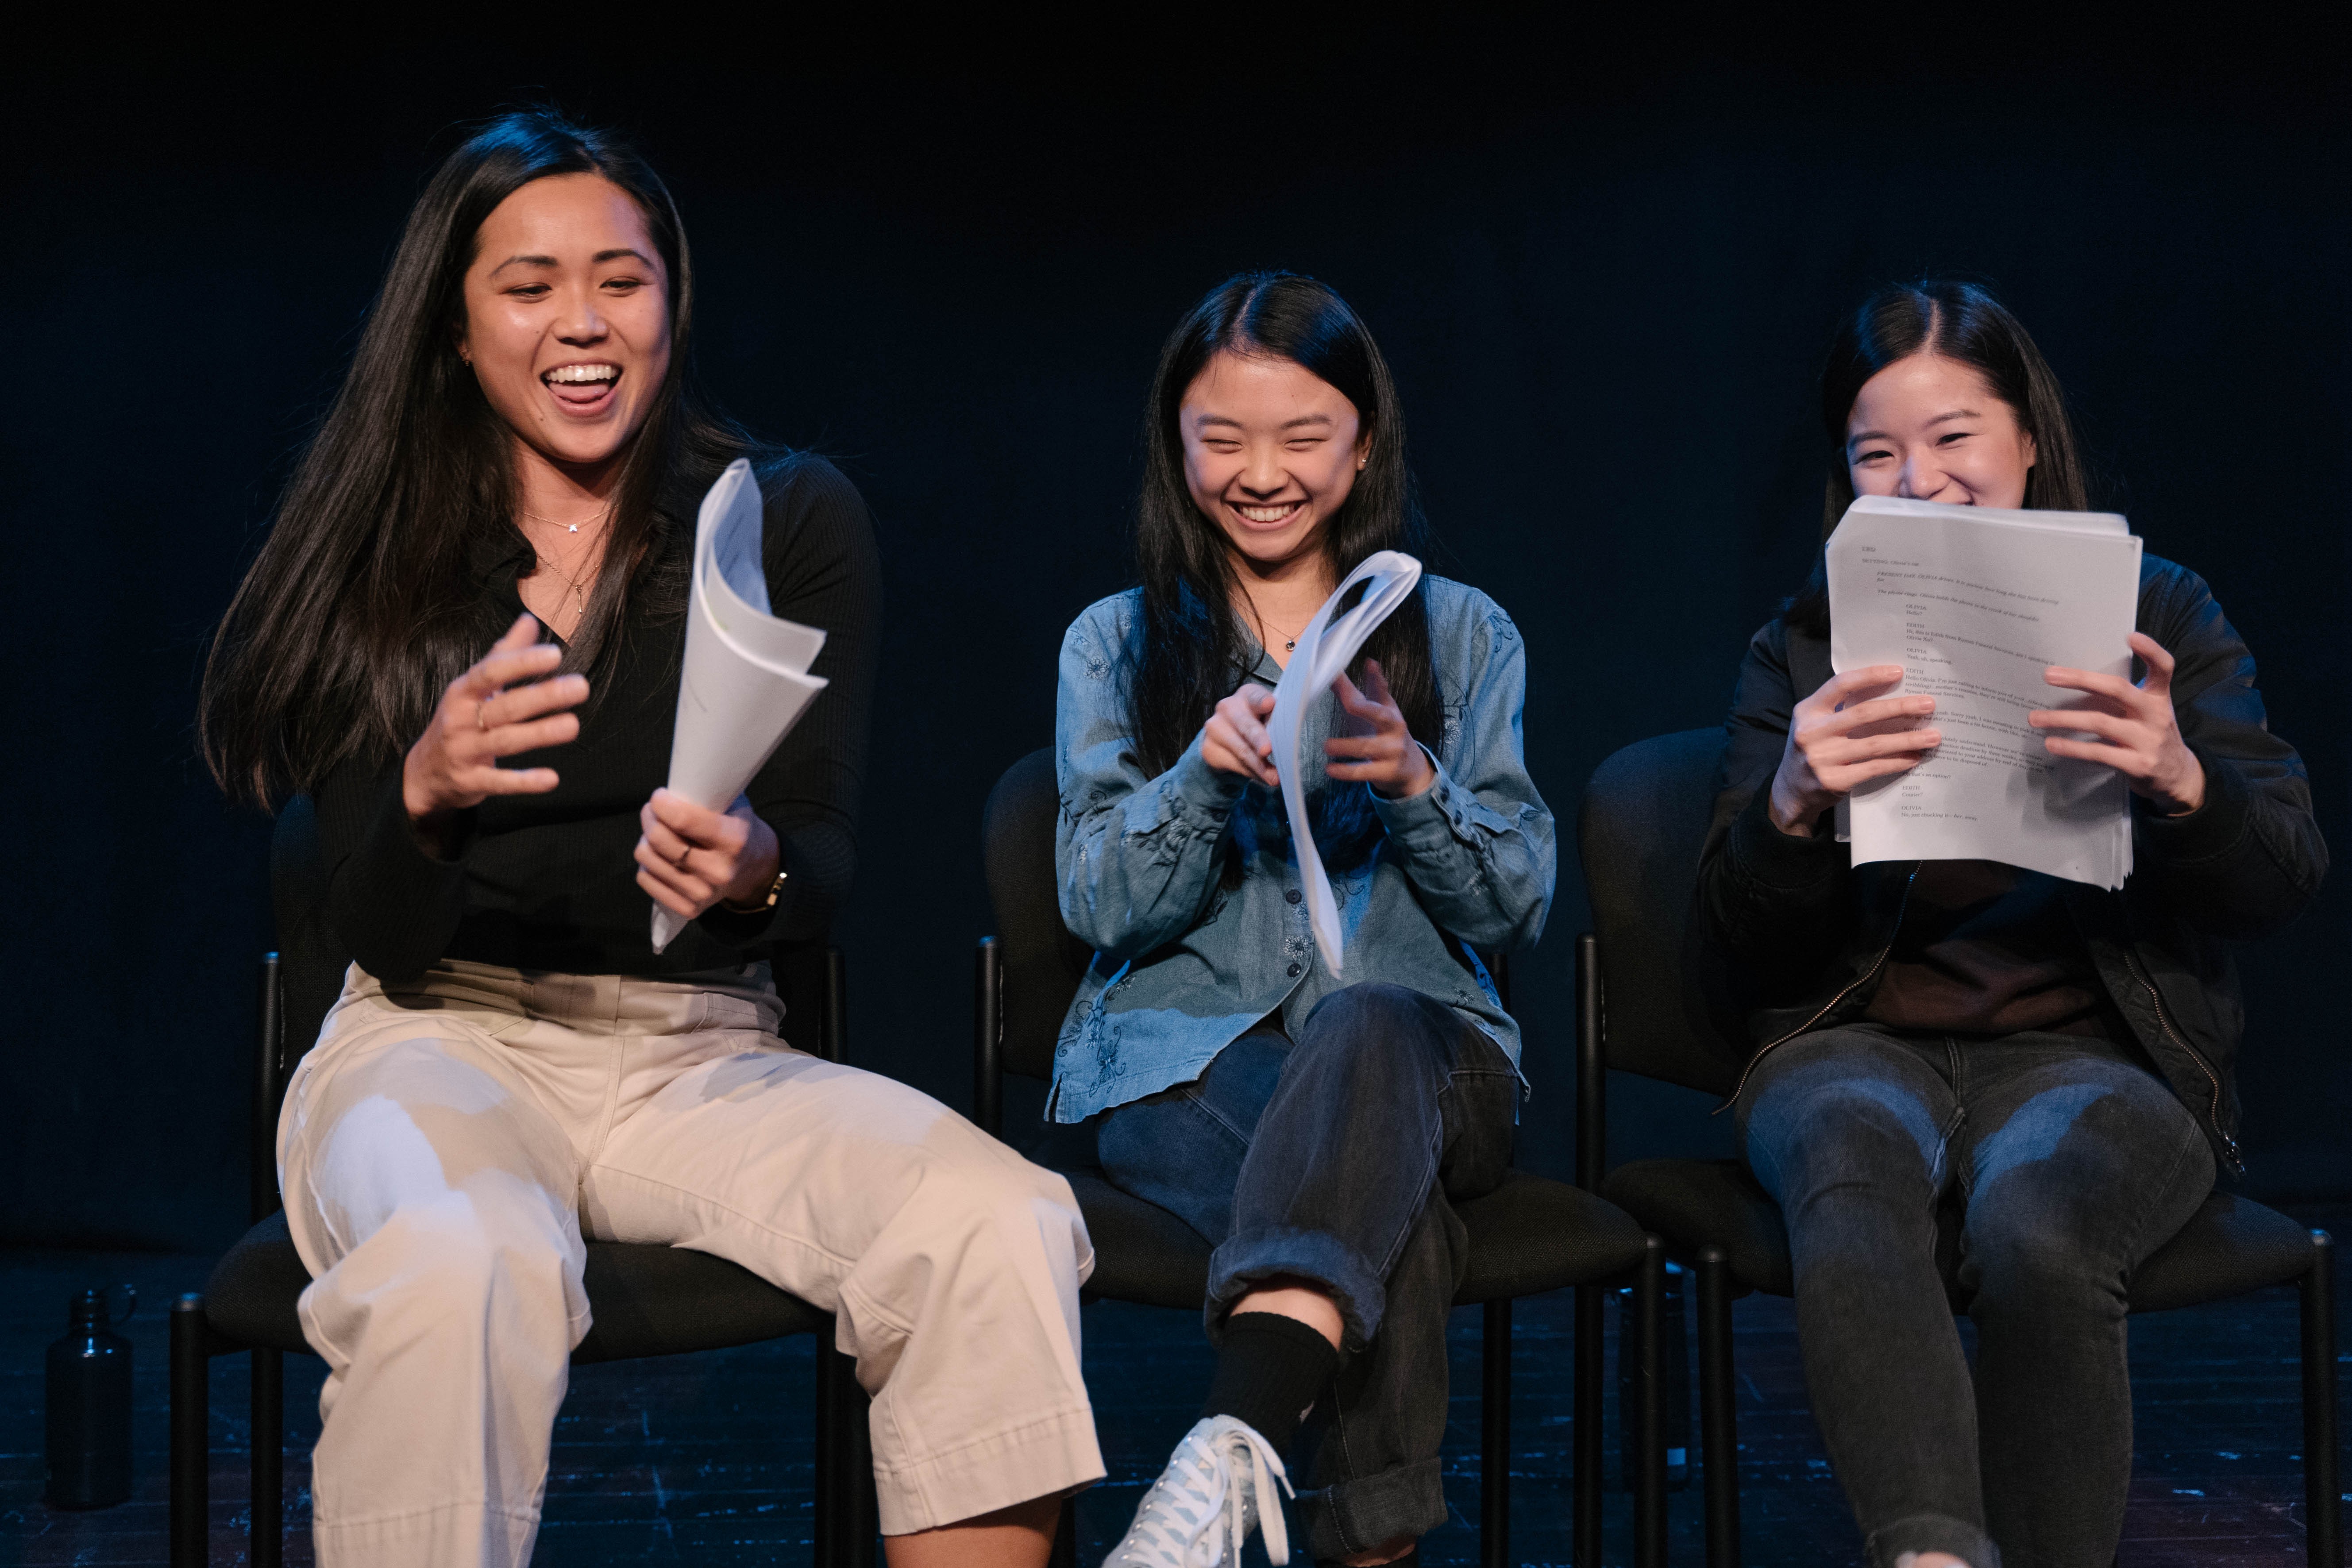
(569, 527)
(578, 584)
(1289, 642)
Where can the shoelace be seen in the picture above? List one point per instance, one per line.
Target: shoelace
(1186, 1537)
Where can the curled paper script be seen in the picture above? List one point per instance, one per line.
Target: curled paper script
(745, 677)
(1324, 650)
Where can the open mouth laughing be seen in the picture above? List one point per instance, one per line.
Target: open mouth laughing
(582, 388)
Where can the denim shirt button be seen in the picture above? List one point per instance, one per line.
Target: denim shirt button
(1293, 972)
(1293, 896)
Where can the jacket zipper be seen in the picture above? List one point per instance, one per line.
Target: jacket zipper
(1826, 1007)
(2164, 1022)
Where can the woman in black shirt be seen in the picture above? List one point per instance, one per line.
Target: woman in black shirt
(518, 446)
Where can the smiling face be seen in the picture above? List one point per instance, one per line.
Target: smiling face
(567, 317)
(1271, 450)
(1929, 428)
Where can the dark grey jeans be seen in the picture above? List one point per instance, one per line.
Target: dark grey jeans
(2036, 1172)
(1333, 1159)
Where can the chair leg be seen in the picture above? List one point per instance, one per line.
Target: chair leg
(831, 1527)
(269, 1549)
(1495, 1439)
(1585, 1476)
(848, 1499)
(191, 1434)
(1717, 1415)
(1650, 1428)
(2323, 1502)
(1066, 1537)
(865, 1547)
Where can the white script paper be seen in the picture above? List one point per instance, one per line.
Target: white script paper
(745, 677)
(1323, 653)
(1974, 602)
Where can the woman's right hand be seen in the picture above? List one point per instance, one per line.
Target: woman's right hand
(1235, 740)
(500, 706)
(1825, 759)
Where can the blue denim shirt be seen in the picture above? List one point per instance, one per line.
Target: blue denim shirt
(1182, 966)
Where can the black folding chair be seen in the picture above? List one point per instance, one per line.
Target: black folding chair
(1644, 1007)
(1529, 1236)
(647, 1299)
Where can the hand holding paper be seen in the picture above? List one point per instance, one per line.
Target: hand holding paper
(746, 680)
(1322, 656)
(1977, 604)
(690, 856)
(1379, 750)
(2131, 729)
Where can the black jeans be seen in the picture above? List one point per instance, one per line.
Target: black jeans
(2035, 1171)
(1333, 1159)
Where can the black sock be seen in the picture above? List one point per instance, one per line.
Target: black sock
(1269, 1371)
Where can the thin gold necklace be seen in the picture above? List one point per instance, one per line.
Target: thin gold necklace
(567, 527)
(578, 584)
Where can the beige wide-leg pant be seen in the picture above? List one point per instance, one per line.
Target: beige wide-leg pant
(448, 1141)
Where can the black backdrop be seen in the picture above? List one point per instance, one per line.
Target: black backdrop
(1601, 267)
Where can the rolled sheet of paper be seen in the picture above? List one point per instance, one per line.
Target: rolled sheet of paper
(745, 680)
(1324, 652)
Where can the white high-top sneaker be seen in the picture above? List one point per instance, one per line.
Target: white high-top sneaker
(1218, 1487)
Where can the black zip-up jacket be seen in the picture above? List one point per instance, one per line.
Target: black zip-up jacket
(1807, 933)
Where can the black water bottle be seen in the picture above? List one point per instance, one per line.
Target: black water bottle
(89, 1407)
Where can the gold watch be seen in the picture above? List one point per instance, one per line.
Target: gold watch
(775, 891)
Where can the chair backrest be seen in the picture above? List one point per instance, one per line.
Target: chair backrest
(1640, 829)
(310, 964)
(1042, 962)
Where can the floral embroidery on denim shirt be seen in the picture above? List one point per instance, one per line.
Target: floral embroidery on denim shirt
(1090, 655)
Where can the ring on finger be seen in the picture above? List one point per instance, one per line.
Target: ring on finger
(482, 715)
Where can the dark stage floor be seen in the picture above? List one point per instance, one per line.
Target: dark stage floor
(707, 1458)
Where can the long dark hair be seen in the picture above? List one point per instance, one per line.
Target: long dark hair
(1964, 323)
(362, 604)
(1194, 649)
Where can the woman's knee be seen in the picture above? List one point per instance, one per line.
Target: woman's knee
(2032, 1261)
(472, 1264)
(976, 1189)
(1375, 1024)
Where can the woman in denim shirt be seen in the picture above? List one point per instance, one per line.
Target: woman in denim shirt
(1315, 1129)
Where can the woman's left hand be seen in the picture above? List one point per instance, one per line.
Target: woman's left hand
(1389, 759)
(2136, 732)
(692, 858)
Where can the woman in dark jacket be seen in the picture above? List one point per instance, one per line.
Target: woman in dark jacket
(2037, 1070)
